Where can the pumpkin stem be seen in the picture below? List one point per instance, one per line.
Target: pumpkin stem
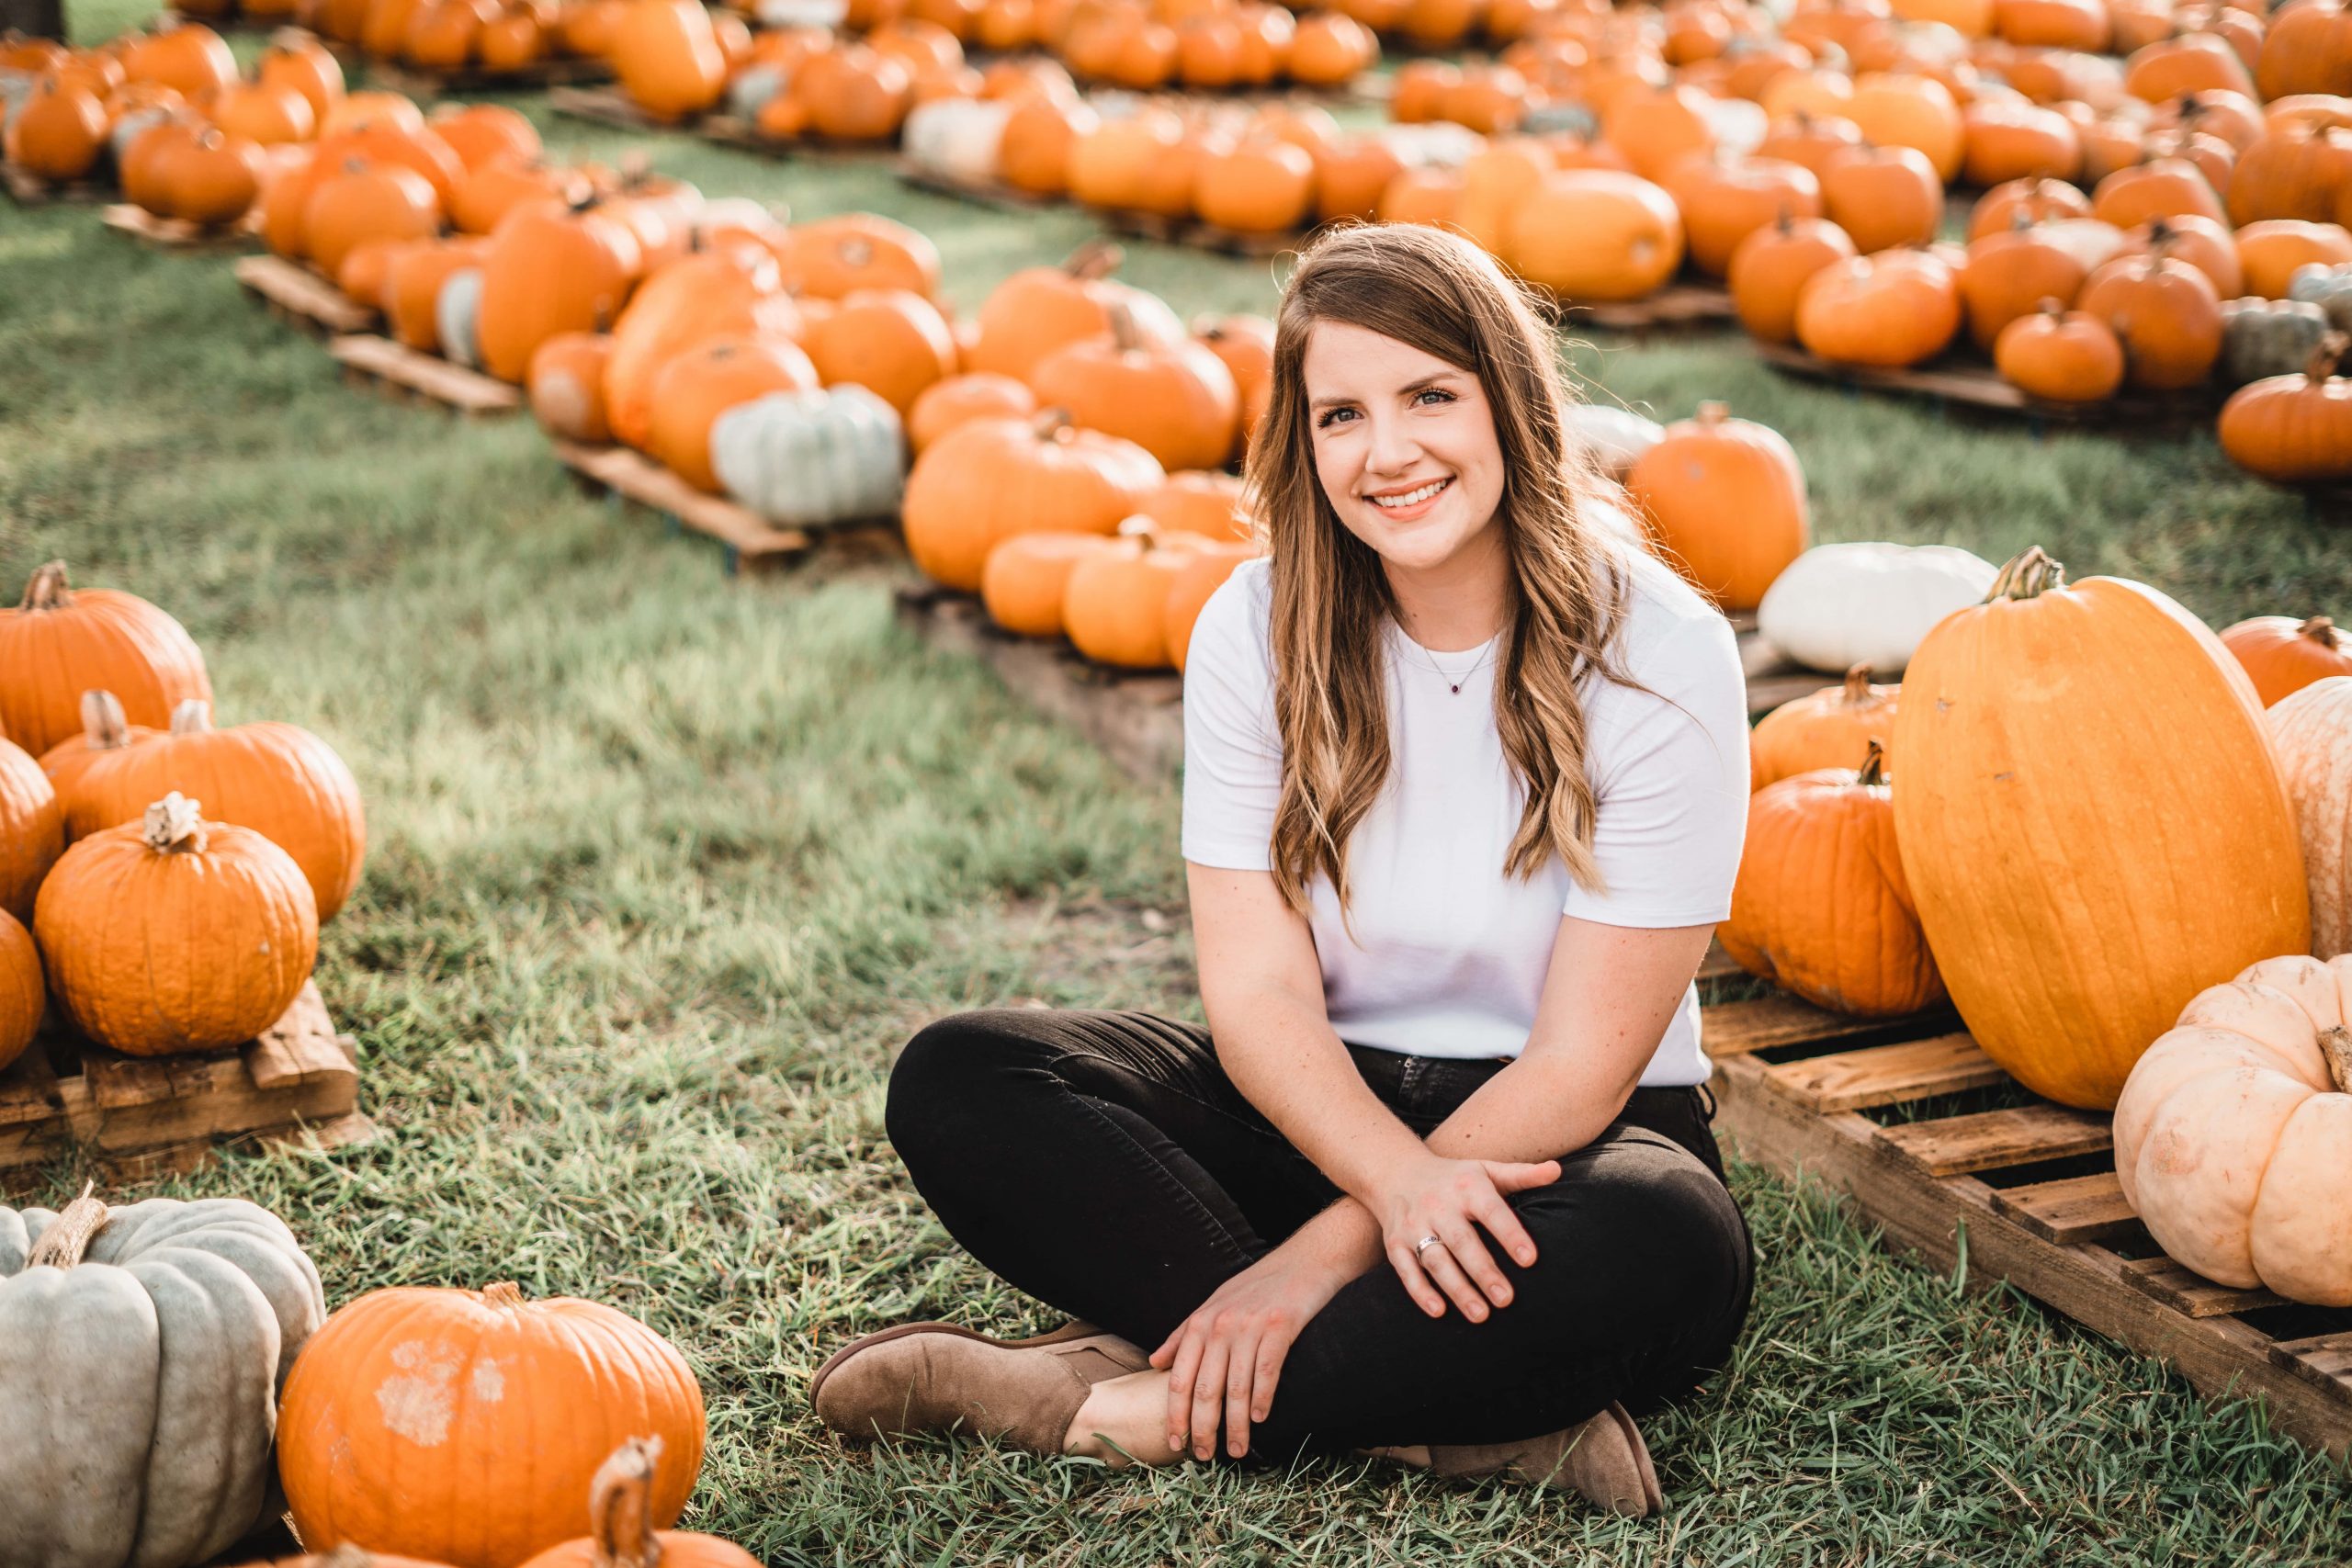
(1094, 259)
(193, 715)
(505, 1294)
(104, 726)
(62, 1244)
(1873, 769)
(47, 590)
(2324, 361)
(1124, 331)
(2320, 631)
(1711, 414)
(1857, 685)
(2335, 1045)
(620, 1507)
(2029, 576)
(174, 825)
(1049, 423)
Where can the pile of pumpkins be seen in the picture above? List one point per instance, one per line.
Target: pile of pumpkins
(494, 38)
(1933, 839)
(162, 880)
(210, 1384)
(166, 115)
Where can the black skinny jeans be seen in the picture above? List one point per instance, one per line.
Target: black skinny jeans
(1103, 1163)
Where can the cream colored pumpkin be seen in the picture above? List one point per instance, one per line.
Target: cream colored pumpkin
(1614, 436)
(955, 137)
(2235, 1131)
(1839, 606)
(2312, 732)
(141, 1349)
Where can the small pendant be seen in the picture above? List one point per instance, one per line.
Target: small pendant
(1455, 689)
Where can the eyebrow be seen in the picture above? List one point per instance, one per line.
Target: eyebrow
(1406, 391)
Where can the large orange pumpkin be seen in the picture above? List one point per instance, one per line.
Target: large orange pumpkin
(990, 478)
(2295, 430)
(173, 934)
(730, 291)
(1198, 577)
(22, 994)
(499, 1408)
(60, 643)
(550, 269)
(57, 131)
(1114, 607)
(2282, 655)
(1883, 196)
(33, 828)
(2078, 882)
(1727, 498)
(363, 201)
(1177, 401)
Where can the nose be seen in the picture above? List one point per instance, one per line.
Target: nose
(1393, 448)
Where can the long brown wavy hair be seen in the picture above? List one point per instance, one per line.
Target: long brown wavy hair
(1444, 295)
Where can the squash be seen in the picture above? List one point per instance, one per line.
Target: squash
(2329, 287)
(2167, 314)
(57, 133)
(1025, 577)
(277, 779)
(2283, 655)
(32, 829)
(620, 1514)
(104, 731)
(812, 456)
(567, 387)
(2061, 355)
(2268, 337)
(2312, 731)
(990, 478)
(173, 934)
(499, 1408)
(141, 1353)
(1727, 501)
(22, 995)
(1614, 438)
(1820, 907)
(60, 643)
(2295, 430)
(978, 394)
(2236, 1130)
(1839, 606)
(1176, 400)
(1834, 728)
(2039, 817)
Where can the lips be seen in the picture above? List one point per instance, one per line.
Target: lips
(1407, 501)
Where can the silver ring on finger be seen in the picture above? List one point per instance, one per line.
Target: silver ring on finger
(1424, 1244)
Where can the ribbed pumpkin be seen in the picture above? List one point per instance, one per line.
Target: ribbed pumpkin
(2310, 729)
(1595, 234)
(892, 342)
(277, 779)
(1891, 309)
(2283, 655)
(1883, 197)
(1771, 267)
(173, 934)
(362, 201)
(1821, 906)
(1040, 309)
(1176, 400)
(60, 643)
(22, 994)
(1205, 567)
(694, 387)
(1023, 582)
(2167, 314)
(1832, 728)
(668, 57)
(725, 292)
(550, 269)
(502, 1409)
(621, 1511)
(2061, 355)
(958, 399)
(104, 731)
(990, 478)
(2078, 881)
(1114, 607)
(2294, 430)
(33, 828)
(1726, 497)
(567, 387)
(57, 131)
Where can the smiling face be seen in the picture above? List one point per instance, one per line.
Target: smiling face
(1405, 447)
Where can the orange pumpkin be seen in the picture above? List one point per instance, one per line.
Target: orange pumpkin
(1175, 400)
(414, 276)
(1831, 729)
(2282, 655)
(190, 59)
(2061, 355)
(1199, 505)
(668, 58)
(1769, 270)
(891, 341)
(261, 112)
(958, 399)
(832, 257)
(1893, 309)
(297, 59)
(693, 387)
(366, 201)
(987, 480)
(32, 829)
(1025, 576)
(1726, 499)
(1595, 234)
(1198, 575)
(57, 131)
(491, 189)
(1246, 343)
(482, 133)
(2273, 251)
(1723, 202)
(104, 731)
(60, 643)
(2167, 314)
(730, 292)
(1114, 607)
(2295, 430)
(22, 995)
(550, 269)
(567, 387)
(621, 1503)
(1883, 197)
(2036, 201)
(2010, 275)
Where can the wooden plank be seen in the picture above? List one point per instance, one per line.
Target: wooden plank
(1683, 304)
(1735, 1029)
(1888, 1075)
(609, 105)
(750, 538)
(178, 233)
(299, 292)
(733, 131)
(1992, 1140)
(29, 189)
(1979, 386)
(28, 1089)
(422, 82)
(2325, 1360)
(302, 1047)
(2070, 1209)
(2223, 1360)
(2187, 1291)
(440, 381)
(1718, 965)
(1766, 693)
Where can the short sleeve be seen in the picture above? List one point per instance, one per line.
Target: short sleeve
(1669, 769)
(1233, 759)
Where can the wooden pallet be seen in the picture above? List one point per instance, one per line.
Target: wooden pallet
(425, 82)
(137, 1117)
(178, 233)
(1976, 386)
(302, 297)
(733, 131)
(609, 105)
(750, 539)
(2025, 1192)
(402, 372)
(27, 189)
(1691, 302)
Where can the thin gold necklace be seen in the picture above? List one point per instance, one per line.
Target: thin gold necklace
(1453, 683)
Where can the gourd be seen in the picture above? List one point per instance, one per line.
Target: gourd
(990, 478)
(620, 1530)
(174, 934)
(1025, 577)
(1615, 437)
(141, 1349)
(2268, 337)
(104, 731)
(498, 1408)
(2295, 430)
(22, 994)
(1177, 401)
(812, 456)
(2033, 832)
(2283, 655)
(1727, 499)
(1838, 605)
(2312, 732)
(277, 779)
(2232, 1135)
(2329, 287)
(1821, 907)
(1834, 728)
(60, 642)
(32, 829)
(955, 137)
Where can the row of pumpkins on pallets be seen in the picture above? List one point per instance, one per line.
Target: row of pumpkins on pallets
(492, 38)
(1938, 838)
(415, 1428)
(154, 927)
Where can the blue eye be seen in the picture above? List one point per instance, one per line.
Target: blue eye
(1438, 392)
(1330, 416)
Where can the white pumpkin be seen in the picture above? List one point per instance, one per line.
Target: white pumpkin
(1614, 436)
(141, 1350)
(2312, 732)
(955, 137)
(1436, 144)
(456, 311)
(751, 90)
(1839, 606)
(825, 16)
(134, 124)
(812, 456)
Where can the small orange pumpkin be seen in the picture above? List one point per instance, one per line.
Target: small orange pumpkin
(621, 1511)
(1727, 498)
(2282, 655)
(60, 642)
(1831, 729)
(953, 400)
(104, 729)
(32, 829)
(22, 994)
(1025, 577)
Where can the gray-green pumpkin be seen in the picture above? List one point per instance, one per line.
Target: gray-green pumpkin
(2329, 287)
(141, 1350)
(456, 316)
(806, 458)
(2268, 337)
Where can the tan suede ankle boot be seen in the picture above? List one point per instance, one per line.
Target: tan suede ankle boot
(1604, 1460)
(934, 1377)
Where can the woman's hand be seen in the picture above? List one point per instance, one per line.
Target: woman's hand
(1450, 1199)
(1225, 1359)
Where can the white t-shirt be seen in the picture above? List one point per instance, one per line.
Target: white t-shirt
(1446, 952)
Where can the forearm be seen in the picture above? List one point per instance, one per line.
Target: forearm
(1343, 1242)
(1539, 1107)
(1281, 1053)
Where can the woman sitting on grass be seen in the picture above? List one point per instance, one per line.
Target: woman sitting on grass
(1466, 779)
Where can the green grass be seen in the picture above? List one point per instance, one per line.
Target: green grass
(665, 864)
